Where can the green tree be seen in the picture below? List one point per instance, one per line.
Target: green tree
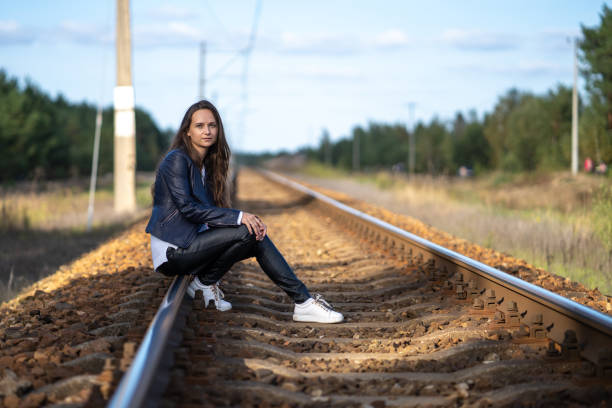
(470, 147)
(151, 142)
(496, 128)
(382, 145)
(342, 154)
(30, 143)
(433, 148)
(42, 137)
(556, 147)
(531, 131)
(594, 138)
(596, 55)
(525, 131)
(596, 48)
(324, 152)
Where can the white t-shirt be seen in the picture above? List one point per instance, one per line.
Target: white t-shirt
(159, 246)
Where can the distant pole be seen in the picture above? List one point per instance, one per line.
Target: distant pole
(355, 151)
(411, 152)
(94, 169)
(328, 152)
(244, 81)
(575, 112)
(202, 95)
(125, 129)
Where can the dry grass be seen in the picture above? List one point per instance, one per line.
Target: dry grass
(552, 221)
(62, 204)
(43, 226)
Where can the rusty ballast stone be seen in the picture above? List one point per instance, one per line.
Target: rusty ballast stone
(552, 313)
(370, 360)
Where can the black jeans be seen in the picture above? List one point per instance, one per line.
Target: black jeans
(214, 251)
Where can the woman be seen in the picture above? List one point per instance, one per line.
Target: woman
(194, 232)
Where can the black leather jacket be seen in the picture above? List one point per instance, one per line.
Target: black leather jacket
(181, 202)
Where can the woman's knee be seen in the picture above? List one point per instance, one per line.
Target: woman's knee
(245, 235)
(265, 245)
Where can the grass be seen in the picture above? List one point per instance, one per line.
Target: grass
(601, 216)
(316, 169)
(43, 226)
(552, 220)
(62, 205)
(589, 277)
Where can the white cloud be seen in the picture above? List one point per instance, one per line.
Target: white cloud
(173, 33)
(326, 71)
(556, 39)
(524, 68)
(172, 11)
(12, 33)
(66, 31)
(8, 26)
(80, 33)
(393, 38)
(540, 68)
(479, 40)
(183, 29)
(319, 43)
(338, 44)
(177, 33)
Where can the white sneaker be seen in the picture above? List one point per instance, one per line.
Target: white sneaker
(210, 293)
(316, 310)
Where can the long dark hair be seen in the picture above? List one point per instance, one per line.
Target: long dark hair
(216, 161)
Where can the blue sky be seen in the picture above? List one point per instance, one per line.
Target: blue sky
(315, 64)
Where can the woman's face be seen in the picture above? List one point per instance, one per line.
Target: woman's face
(203, 130)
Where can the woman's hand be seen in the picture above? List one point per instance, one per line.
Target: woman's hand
(254, 225)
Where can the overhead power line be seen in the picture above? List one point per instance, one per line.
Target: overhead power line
(253, 36)
(245, 51)
(224, 29)
(245, 68)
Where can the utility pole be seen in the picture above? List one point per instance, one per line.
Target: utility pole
(202, 95)
(94, 169)
(411, 152)
(125, 128)
(327, 148)
(355, 151)
(575, 112)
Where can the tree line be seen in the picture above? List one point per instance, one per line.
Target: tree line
(47, 138)
(523, 132)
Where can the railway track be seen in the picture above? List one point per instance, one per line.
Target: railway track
(423, 326)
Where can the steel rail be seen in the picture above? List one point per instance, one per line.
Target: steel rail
(552, 315)
(140, 385)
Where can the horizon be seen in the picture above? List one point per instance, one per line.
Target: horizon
(303, 77)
